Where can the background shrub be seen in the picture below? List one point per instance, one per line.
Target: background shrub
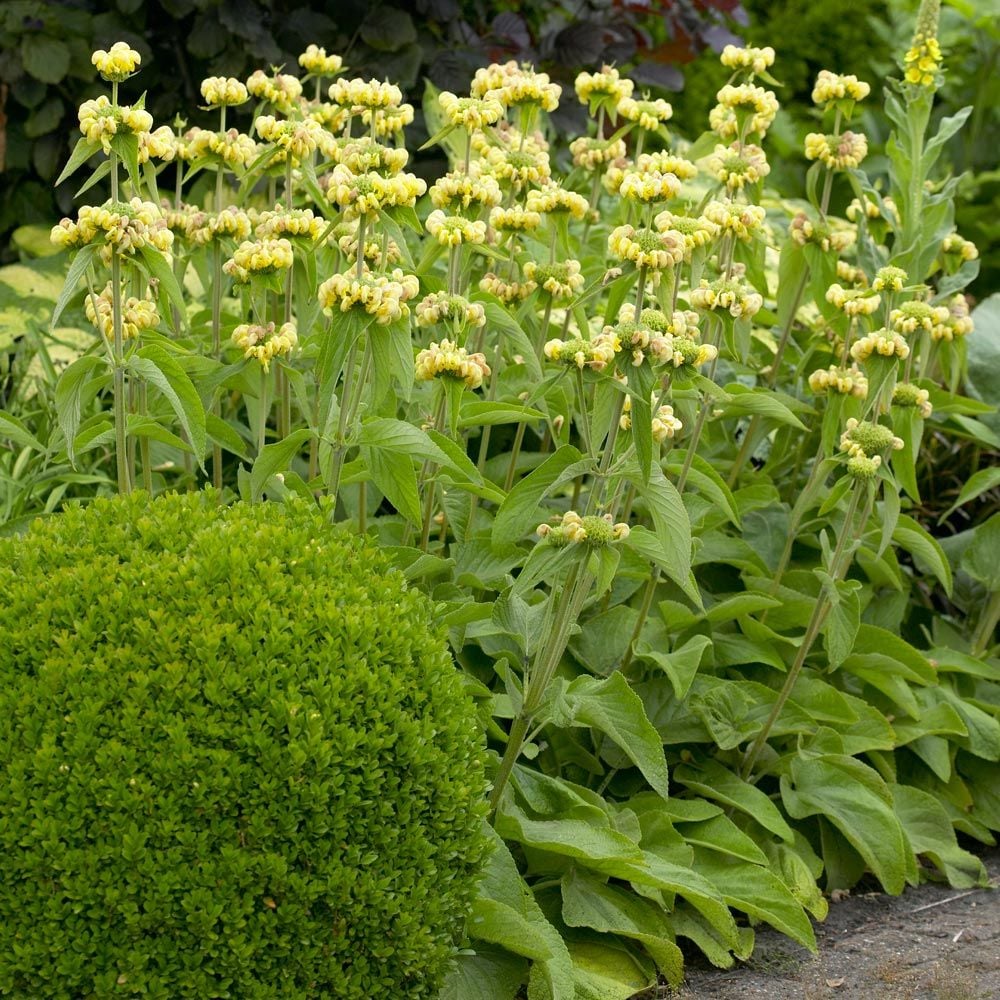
(235, 760)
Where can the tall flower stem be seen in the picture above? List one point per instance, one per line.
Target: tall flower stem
(839, 563)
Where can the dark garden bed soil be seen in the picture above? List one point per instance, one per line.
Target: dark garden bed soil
(931, 943)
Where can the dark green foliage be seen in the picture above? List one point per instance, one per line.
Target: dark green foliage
(235, 761)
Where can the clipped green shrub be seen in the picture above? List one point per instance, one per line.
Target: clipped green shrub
(235, 761)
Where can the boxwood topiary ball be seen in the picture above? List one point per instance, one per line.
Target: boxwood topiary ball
(236, 761)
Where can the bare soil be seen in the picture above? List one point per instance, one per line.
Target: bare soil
(931, 943)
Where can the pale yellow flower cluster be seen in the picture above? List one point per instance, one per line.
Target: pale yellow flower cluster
(641, 341)
(688, 352)
(862, 437)
(664, 423)
(553, 200)
(743, 221)
(514, 220)
(738, 164)
(832, 87)
(803, 230)
(871, 209)
(454, 230)
(846, 271)
(648, 187)
(363, 155)
(224, 92)
(282, 90)
(315, 61)
(126, 226)
(881, 343)
(117, 63)
(607, 85)
(913, 316)
(864, 468)
(837, 152)
(561, 280)
(845, 381)
(299, 139)
(361, 194)
(448, 360)
(595, 354)
(523, 87)
(666, 162)
(365, 95)
(440, 307)
(383, 296)
(265, 342)
(232, 147)
(463, 191)
(592, 153)
(137, 314)
(388, 121)
(739, 299)
(506, 291)
(160, 144)
(517, 166)
(680, 323)
(254, 258)
(656, 249)
(698, 231)
(471, 113)
(347, 240)
(889, 279)
(572, 529)
(963, 249)
(744, 108)
(648, 115)
(853, 301)
(907, 394)
(755, 60)
(959, 322)
(100, 120)
(231, 223)
(298, 222)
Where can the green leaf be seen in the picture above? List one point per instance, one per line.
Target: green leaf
(393, 473)
(711, 779)
(154, 364)
(498, 317)
(82, 151)
(760, 402)
(603, 970)
(979, 483)
(13, 429)
(793, 272)
(613, 708)
(489, 974)
(487, 412)
(931, 834)
(756, 891)
(519, 514)
(46, 59)
(69, 395)
(926, 551)
(158, 268)
(681, 665)
(673, 528)
(859, 804)
(981, 559)
(588, 901)
(844, 618)
(76, 271)
(276, 458)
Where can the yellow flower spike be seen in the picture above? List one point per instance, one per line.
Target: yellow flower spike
(853, 301)
(440, 307)
(553, 200)
(738, 164)
(730, 294)
(515, 220)
(561, 280)
(844, 381)
(461, 191)
(100, 121)
(648, 187)
(382, 296)
(907, 394)
(117, 63)
(594, 153)
(842, 152)
(454, 230)
(506, 291)
(365, 95)
(746, 101)
(282, 90)
(656, 249)
(880, 343)
(137, 314)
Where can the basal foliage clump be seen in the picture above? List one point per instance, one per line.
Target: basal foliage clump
(235, 760)
(646, 429)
